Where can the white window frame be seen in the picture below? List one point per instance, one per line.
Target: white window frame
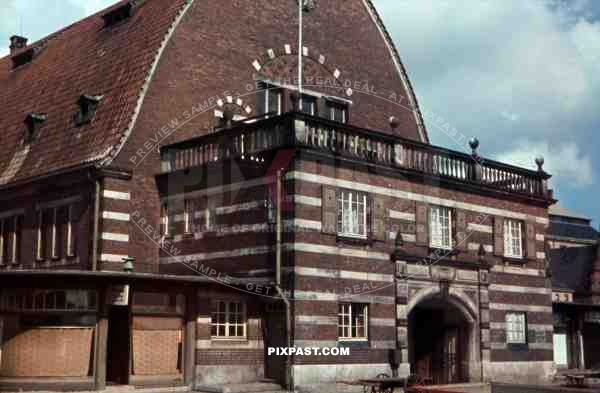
(70, 242)
(227, 324)
(440, 227)
(516, 327)
(14, 244)
(270, 93)
(39, 252)
(513, 238)
(165, 219)
(54, 237)
(333, 106)
(188, 216)
(1, 241)
(348, 315)
(348, 210)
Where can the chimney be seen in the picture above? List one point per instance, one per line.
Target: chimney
(17, 43)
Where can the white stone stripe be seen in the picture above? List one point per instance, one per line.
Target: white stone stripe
(229, 344)
(125, 196)
(516, 270)
(240, 252)
(334, 297)
(407, 237)
(302, 223)
(316, 320)
(540, 255)
(540, 237)
(530, 326)
(302, 247)
(331, 250)
(343, 274)
(107, 215)
(319, 179)
(520, 307)
(306, 200)
(479, 228)
(520, 289)
(112, 257)
(475, 246)
(236, 208)
(382, 322)
(116, 237)
(529, 345)
(402, 215)
(203, 320)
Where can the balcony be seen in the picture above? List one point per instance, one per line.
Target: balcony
(300, 131)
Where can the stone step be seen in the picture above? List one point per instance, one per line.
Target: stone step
(250, 387)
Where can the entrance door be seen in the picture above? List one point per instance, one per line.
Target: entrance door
(118, 351)
(450, 357)
(274, 337)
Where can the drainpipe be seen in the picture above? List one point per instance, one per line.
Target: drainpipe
(96, 226)
(289, 377)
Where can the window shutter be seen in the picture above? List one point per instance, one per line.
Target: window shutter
(460, 234)
(378, 219)
(498, 236)
(422, 221)
(329, 210)
(530, 245)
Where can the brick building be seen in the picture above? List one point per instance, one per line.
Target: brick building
(573, 253)
(171, 135)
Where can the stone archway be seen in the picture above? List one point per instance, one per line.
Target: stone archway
(443, 336)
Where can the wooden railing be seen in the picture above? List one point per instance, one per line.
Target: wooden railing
(295, 130)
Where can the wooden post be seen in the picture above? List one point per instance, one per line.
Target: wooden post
(189, 360)
(101, 342)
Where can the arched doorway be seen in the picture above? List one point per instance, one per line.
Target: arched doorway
(442, 340)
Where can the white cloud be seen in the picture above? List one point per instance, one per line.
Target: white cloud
(564, 161)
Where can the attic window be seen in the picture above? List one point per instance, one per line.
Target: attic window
(33, 121)
(119, 14)
(87, 108)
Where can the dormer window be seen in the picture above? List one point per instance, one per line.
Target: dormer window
(87, 109)
(118, 14)
(33, 122)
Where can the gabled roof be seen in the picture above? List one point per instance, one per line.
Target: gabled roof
(84, 58)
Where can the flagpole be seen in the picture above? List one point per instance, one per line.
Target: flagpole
(300, 4)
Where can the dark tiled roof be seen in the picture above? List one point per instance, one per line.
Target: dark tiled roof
(84, 58)
(576, 231)
(572, 267)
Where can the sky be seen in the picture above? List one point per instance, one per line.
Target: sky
(521, 76)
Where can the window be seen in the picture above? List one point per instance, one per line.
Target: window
(513, 239)
(337, 112)
(272, 100)
(16, 239)
(87, 108)
(228, 319)
(39, 243)
(70, 233)
(165, 220)
(352, 214)
(352, 322)
(516, 331)
(308, 105)
(271, 209)
(10, 239)
(48, 300)
(188, 216)
(440, 227)
(54, 237)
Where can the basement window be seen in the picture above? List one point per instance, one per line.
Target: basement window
(87, 108)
